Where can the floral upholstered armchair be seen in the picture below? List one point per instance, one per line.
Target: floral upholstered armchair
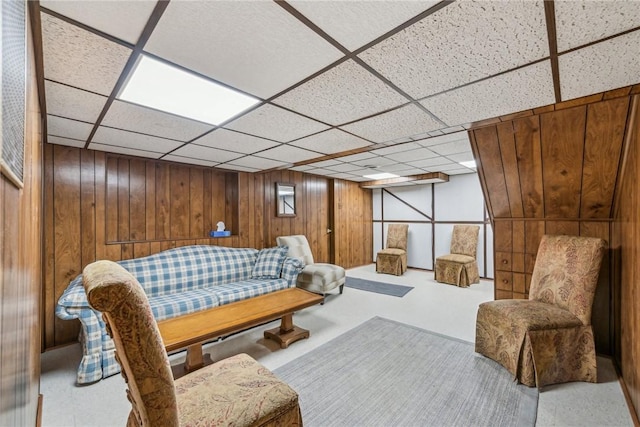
(393, 258)
(548, 338)
(460, 267)
(234, 391)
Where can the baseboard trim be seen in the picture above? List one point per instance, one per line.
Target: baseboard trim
(39, 411)
(627, 396)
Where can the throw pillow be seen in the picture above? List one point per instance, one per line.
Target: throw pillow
(269, 263)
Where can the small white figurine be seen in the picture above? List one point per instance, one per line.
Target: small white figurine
(220, 225)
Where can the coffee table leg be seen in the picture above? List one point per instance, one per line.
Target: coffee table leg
(287, 333)
(194, 358)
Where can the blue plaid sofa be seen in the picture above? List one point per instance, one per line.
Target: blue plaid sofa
(178, 281)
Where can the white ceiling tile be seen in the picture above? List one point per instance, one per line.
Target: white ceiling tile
(321, 171)
(236, 168)
(342, 94)
(579, 23)
(288, 153)
(122, 138)
(355, 23)
(65, 141)
(408, 172)
(356, 157)
(451, 166)
(441, 139)
(126, 21)
(257, 163)
(235, 141)
(397, 148)
(428, 163)
(276, 123)
(462, 157)
(396, 167)
(188, 160)
(460, 43)
(461, 171)
(331, 141)
(453, 130)
(525, 88)
(346, 176)
(206, 153)
(326, 163)
(407, 120)
(374, 162)
(57, 126)
(79, 58)
(124, 115)
(454, 147)
(408, 156)
(73, 103)
(124, 150)
(344, 167)
(257, 46)
(360, 179)
(607, 65)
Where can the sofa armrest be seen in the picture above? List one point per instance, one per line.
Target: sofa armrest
(74, 296)
(290, 270)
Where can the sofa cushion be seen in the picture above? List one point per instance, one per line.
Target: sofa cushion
(178, 304)
(269, 263)
(232, 292)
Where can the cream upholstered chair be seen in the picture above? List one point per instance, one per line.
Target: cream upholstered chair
(548, 338)
(319, 278)
(235, 391)
(393, 258)
(460, 267)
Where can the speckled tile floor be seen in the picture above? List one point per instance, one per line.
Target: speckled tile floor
(430, 305)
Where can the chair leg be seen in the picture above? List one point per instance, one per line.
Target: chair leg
(341, 288)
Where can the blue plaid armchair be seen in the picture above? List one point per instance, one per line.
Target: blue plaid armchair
(178, 281)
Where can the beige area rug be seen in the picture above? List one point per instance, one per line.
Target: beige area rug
(386, 373)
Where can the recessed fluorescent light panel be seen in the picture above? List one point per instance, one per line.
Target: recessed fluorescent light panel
(469, 164)
(381, 176)
(158, 85)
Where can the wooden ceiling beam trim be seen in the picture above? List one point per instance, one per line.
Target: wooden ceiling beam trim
(550, 17)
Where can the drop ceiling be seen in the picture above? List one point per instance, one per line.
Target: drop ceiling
(346, 88)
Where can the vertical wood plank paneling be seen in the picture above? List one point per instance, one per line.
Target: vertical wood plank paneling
(196, 203)
(627, 301)
(111, 218)
(218, 209)
(21, 264)
(510, 165)
(605, 129)
(150, 200)
(179, 201)
(137, 199)
(87, 207)
(163, 201)
(562, 152)
(527, 135)
(568, 160)
(66, 211)
(168, 205)
(207, 219)
(100, 185)
(123, 200)
(49, 291)
(488, 148)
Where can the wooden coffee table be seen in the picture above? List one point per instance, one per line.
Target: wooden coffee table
(191, 330)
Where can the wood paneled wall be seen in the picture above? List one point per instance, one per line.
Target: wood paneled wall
(353, 224)
(105, 206)
(20, 273)
(552, 172)
(626, 249)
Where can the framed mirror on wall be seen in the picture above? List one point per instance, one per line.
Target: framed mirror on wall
(286, 199)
